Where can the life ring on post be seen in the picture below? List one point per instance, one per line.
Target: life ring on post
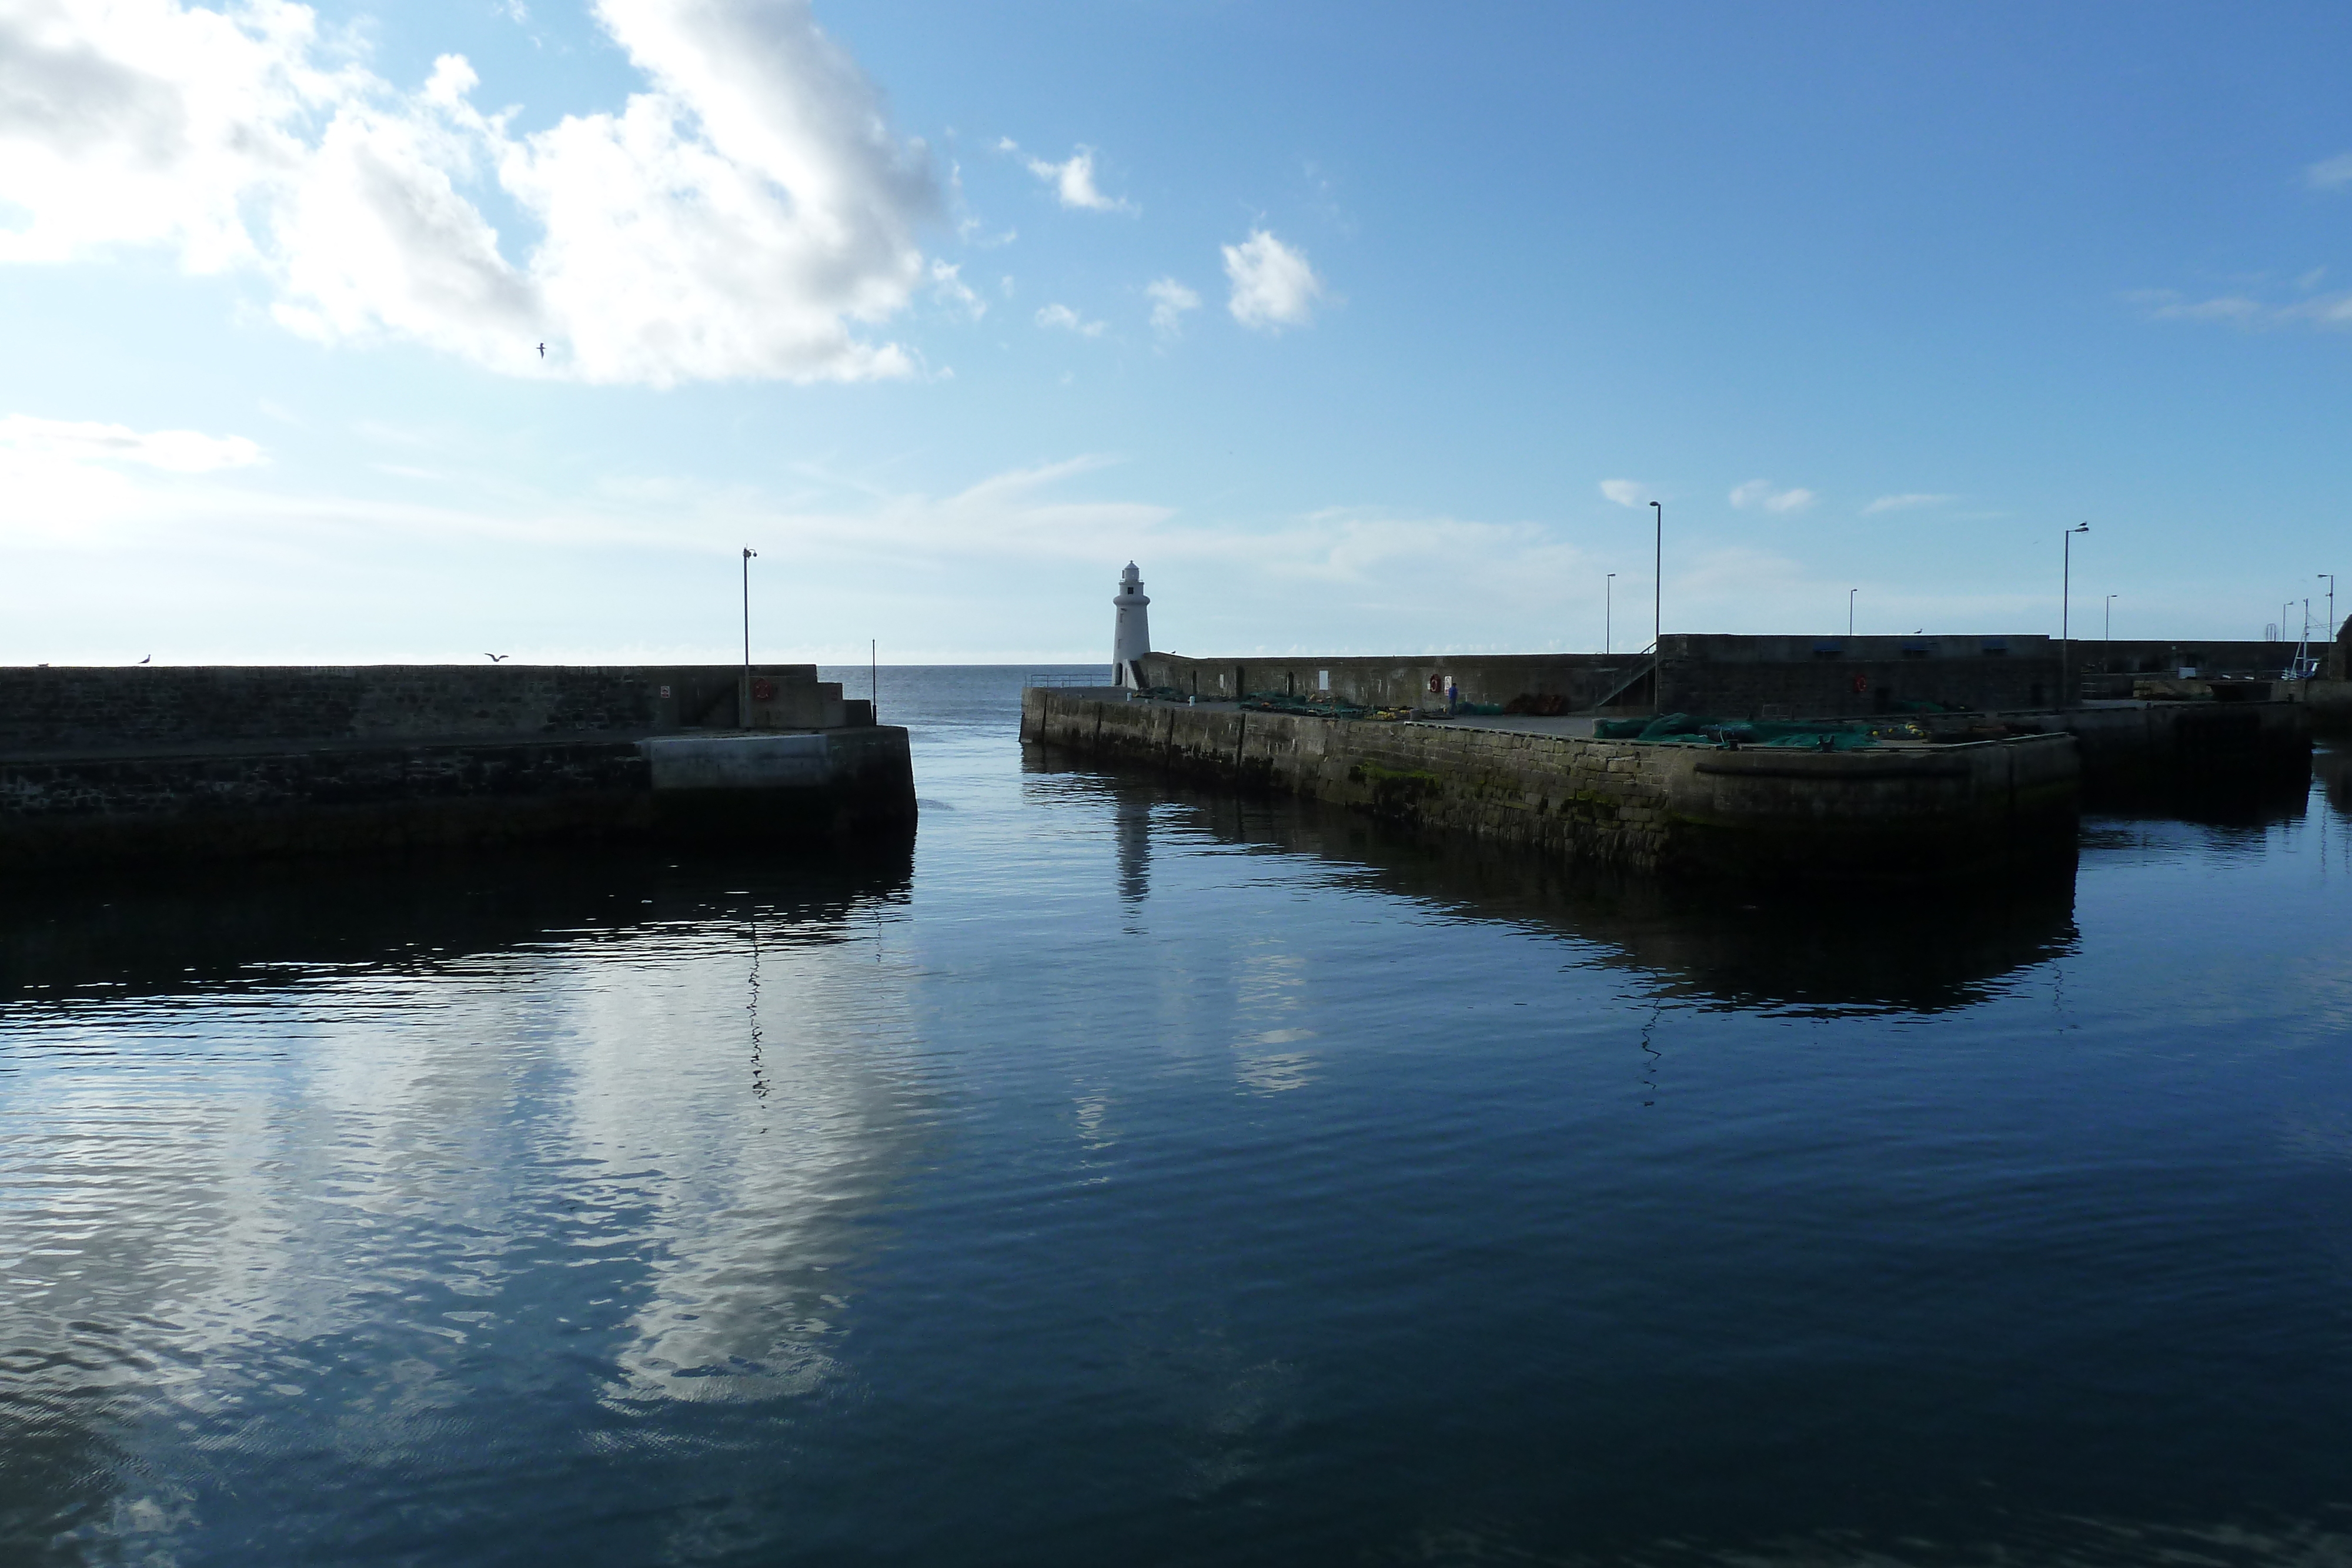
(1861, 685)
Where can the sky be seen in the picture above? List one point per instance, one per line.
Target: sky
(347, 334)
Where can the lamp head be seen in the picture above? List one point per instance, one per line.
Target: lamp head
(2080, 529)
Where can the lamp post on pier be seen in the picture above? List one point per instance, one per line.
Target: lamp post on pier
(743, 700)
(1658, 608)
(1849, 610)
(2065, 606)
(1607, 611)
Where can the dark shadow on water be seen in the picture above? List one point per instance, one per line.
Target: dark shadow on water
(149, 933)
(1918, 952)
(2331, 771)
(59, 1469)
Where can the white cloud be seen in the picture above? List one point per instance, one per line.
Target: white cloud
(1904, 503)
(2165, 305)
(948, 284)
(1625, 492)
(1274, 286)
(1068, 320)
(2244, 311)
(2329, 173)
(742, 216)
(1073, 179)
(1170, 300)
(180, 451)
(1759, 493)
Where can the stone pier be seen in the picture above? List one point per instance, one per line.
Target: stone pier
(1896, 815)
(154, 766)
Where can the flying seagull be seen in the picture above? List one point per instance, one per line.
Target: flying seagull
(542, 350)
(146, 660)
(494, 658)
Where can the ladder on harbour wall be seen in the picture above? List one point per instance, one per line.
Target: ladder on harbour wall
(1641, 673)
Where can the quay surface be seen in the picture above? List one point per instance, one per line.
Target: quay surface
(1967, 810)
(149, 766)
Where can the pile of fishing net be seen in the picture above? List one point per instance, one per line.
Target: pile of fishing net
(1818, 734)
(1321, 704)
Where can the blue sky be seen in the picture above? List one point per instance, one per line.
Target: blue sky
(1361, 328)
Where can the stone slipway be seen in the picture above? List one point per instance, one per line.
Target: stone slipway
(1961, 811)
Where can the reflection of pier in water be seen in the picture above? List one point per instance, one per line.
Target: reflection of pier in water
(1911, 953)
(277, 921)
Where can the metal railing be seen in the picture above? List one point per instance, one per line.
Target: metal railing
(1640, 672)
(1067, 678)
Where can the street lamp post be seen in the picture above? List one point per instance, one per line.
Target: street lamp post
(744, 699)
(2332, 629)
(1657, 607)
(1608, 613)
(2066, 605)
(1849, 610)
(2107, 635)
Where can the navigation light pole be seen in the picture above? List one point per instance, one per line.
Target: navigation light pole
(2065, 604)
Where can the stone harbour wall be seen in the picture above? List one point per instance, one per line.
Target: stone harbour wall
(1893, 816)
(85, 709)
(88, 810)
(1583, 680)
(273, 801)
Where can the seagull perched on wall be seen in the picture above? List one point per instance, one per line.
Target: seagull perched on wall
(495, 658)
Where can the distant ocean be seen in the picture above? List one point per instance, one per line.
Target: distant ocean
(1132, 1174)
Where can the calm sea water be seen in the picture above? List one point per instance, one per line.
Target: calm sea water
(1126, 1176)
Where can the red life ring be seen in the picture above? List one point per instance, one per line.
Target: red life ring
(1861, 685)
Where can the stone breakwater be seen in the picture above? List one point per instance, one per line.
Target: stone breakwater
(1946, 812)
(207, 763)
(254, 802)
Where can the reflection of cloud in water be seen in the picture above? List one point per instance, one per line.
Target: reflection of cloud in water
(1092, 1130)
(1270, 989)
(746, 1233)
(224, 1206)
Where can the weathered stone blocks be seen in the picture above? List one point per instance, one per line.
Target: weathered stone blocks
(1885, 816)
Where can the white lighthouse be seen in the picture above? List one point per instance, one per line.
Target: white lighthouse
(1131, 638)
